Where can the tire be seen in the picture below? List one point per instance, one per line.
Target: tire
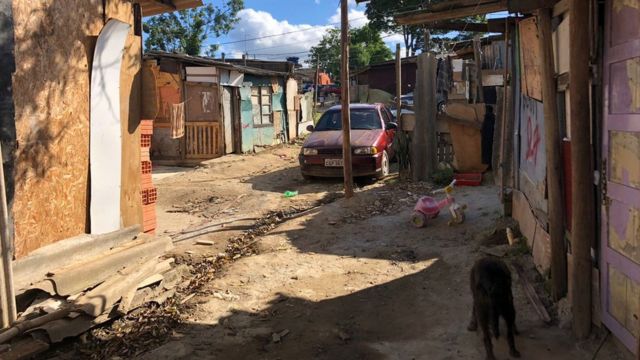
(418, 219)
(384, 167)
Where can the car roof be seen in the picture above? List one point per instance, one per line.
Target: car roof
(357, 106)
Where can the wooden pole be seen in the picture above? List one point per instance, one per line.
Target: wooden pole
(553, 153)
(506, 119)
(582, 199)
(315, 92)
(398, 83)
(346, 116)
(478, 60)
(424, 145)
(9, 312)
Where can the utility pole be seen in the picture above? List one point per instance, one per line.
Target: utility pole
(582, 198)
(552, 149)
(346, 115)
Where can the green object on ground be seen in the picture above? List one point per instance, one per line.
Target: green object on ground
(290, 194)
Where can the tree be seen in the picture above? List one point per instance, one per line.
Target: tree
(380, 14)
(366, 47)
(185, 31)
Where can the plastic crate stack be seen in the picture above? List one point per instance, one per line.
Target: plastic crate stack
(149, 192)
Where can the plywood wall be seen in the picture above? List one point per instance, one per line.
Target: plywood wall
(530, 58)
(130, 112)
(55, 40)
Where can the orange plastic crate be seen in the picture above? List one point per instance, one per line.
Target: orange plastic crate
(468, 179)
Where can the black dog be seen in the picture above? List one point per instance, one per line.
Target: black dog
(492, 298)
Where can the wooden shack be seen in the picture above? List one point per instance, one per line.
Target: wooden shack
(228, 108)
(46, 112)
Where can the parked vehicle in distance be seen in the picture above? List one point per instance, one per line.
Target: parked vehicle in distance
(372, 133)
(407, 99)
(333, 89)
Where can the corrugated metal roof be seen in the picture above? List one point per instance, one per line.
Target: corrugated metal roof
(155, 7)
(204, 61)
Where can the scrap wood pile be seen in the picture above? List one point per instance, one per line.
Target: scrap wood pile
(72, 286)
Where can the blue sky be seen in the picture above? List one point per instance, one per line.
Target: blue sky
(304, 21)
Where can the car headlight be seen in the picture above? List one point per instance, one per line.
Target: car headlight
(309, 151)
(369, 150)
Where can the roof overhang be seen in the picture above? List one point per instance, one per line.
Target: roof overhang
(156, 7)
(457, 9)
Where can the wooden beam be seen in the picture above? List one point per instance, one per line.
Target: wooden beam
(453, 4)
(527, 6)
(346, 116)
(450, 10)
(582, 199)
(468, 26)
(166, 3)
(553, 156)
(425, 17)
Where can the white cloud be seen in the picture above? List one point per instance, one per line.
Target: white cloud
(317, 2)
(259, 26)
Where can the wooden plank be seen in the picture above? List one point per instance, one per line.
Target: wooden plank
(531, 294)
(130, 112)
(554, 170)
(530, 58)
(419, 18)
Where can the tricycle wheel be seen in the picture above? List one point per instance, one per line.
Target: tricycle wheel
(418, 219)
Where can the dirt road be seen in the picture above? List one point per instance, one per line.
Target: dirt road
(348, 280)
(317, 276)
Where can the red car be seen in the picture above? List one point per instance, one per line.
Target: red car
(372, 132)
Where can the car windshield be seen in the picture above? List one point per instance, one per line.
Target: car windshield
(361, 119)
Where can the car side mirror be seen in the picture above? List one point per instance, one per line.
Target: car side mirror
(310, 128)
(392, 126)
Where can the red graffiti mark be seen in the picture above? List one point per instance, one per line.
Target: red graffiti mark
(533, 141)
(245, 126)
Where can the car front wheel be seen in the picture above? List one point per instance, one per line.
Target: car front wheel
(384, 166)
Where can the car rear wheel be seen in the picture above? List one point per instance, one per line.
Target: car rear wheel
(384, 166)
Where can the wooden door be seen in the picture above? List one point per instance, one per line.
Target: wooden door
(620, 265)
(203, 129)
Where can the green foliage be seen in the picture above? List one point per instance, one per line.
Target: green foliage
(380, 14)
(185, 31)
(366, 47)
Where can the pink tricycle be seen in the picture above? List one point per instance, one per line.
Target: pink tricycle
(429, 208)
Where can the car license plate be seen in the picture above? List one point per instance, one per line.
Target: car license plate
(333, 162)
